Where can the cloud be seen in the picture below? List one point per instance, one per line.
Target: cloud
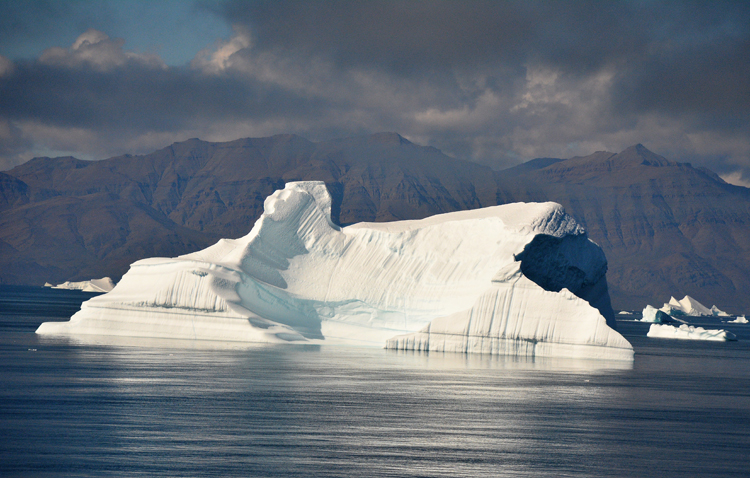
(494, 82)
(498, 82)
(219, 58)
(736, 178)
(96, 49)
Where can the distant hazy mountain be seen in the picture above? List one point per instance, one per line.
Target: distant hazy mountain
(667, 228)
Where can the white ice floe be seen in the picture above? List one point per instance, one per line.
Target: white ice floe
(691, 307)
(689, 332)
(512, 279)
(739, 320)
(625, 312)
(104, 284)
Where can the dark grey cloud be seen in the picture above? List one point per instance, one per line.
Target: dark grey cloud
(495, 82)
(705, 80)
(134, 97)
(448, 33)
(407, 35)
(683, 63)
(674, 55)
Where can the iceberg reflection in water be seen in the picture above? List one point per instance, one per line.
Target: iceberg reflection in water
(439, 360)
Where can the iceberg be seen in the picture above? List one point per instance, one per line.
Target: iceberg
(511, 279)
(654, 315)
(104, 284)
(716, 312)
(739, 320)
(691, 307)
(688, 332)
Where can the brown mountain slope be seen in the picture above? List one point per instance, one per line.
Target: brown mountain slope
(66, 219)
(667, 228)
(92, 236)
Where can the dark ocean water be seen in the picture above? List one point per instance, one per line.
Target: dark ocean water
(106, 407)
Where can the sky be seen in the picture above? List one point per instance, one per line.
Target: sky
(496, 82)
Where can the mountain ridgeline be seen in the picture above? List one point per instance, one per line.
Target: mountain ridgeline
(667, 228)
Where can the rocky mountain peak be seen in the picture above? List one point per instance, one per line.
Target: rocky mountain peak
(638, 155)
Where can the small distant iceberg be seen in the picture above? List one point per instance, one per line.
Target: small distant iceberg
(625, 312)
(656, 316)
(691, 308)
(718, 313)
(105, 284)
(688, 332)
(739, 320)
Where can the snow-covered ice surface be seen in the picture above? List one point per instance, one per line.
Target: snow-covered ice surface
(512, 279)
(739, 320)
(104, 284)
(688, 332)
(691, 307)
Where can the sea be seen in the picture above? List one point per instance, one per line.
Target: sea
(98, 406)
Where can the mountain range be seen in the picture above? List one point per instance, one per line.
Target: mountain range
(667, 228)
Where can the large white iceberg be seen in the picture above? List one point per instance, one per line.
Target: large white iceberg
(688, 332)
(691, 307)
(518, 278)
(105, 284)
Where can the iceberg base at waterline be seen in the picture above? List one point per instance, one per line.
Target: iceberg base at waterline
(520, 279)
(530, 322)
(689, 332)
